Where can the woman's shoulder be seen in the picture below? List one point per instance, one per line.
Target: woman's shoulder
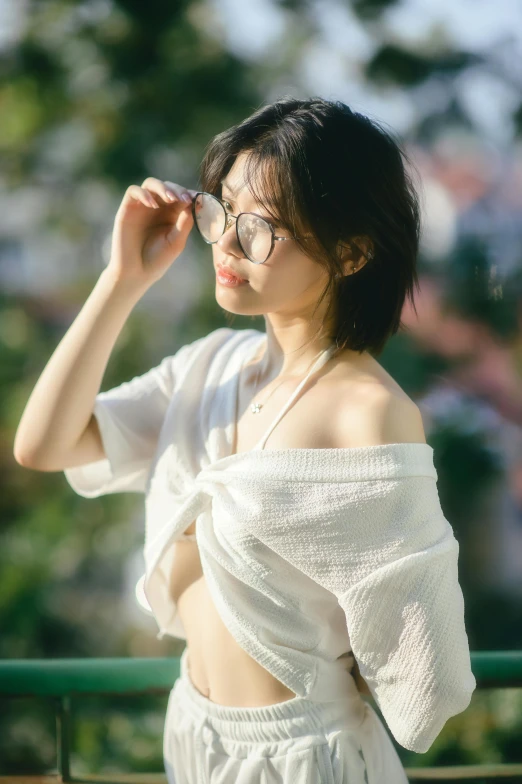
(370, 408)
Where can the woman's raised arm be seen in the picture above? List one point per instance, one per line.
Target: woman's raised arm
(58, 428)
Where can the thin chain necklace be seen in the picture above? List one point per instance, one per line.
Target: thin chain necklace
(255, 408)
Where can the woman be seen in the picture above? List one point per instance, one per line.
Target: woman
(287, 568)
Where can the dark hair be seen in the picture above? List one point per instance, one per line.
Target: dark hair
(323, 169)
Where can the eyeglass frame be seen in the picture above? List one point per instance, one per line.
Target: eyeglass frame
(228, 215)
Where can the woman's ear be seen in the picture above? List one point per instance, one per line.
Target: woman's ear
(355, 254)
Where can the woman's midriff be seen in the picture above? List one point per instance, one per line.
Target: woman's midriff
(219, 668)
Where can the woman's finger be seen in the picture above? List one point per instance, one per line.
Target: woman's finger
(140, 194)
(170, 192)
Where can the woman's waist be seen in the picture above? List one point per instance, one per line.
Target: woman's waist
(220, 668)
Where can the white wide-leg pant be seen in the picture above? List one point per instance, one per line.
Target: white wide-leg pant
(297, 741)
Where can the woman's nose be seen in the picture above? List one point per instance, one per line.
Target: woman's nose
(228, 241)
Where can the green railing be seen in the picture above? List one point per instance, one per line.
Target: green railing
(61, 679)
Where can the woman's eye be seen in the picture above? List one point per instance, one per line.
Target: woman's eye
(228, 206)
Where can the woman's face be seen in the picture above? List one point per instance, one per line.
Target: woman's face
(289, 283)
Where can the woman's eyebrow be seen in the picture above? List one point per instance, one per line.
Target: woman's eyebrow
(233, 193)
(229, 189)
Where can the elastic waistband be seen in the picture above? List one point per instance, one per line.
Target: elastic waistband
(283, 720)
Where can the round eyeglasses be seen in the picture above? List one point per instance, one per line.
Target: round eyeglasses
(255, 236)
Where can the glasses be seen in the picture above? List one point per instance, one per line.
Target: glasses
(256, 237)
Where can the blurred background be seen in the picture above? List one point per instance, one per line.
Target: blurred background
(100, 94)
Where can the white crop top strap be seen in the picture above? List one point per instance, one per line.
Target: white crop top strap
(323, 357)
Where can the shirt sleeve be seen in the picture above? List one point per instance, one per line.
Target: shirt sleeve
(130, 417)
(406, 626)
(405, 616)
(388, 554)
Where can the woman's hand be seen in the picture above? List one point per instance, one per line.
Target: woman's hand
(150, 230)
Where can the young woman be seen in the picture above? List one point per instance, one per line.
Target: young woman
(305, 572)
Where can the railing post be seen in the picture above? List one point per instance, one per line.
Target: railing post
(63, 738)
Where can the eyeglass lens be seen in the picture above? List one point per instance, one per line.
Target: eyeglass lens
(255, 236)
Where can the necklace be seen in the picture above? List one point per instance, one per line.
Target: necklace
(255, 408)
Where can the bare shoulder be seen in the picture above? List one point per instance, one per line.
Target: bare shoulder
(372, 409)
(397, 419)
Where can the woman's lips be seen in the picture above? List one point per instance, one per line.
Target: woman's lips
(226, 278)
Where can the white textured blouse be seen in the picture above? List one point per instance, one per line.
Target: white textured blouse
(308, 553)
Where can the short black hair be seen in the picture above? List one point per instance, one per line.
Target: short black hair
(331, 172)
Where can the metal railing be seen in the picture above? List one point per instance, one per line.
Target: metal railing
(60, 680)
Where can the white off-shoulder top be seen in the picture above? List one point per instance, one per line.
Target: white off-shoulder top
(308, 553)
